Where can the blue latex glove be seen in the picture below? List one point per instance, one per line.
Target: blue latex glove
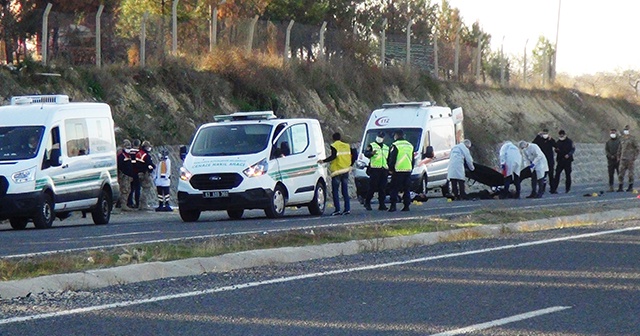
(532, 166)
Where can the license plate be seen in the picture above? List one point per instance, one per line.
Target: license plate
(216, 194)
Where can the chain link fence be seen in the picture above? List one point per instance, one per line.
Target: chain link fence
(94, 39)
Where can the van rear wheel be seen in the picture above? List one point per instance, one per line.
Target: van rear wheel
(102, 212)
(189, 215)
(45, 215)
(317, 205)
(276, 208)
(18, 223)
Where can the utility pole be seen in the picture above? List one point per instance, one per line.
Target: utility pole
(555, 52)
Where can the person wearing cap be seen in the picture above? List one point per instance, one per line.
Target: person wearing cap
(547, 144)
(162, 180)
(125, 172)
(564, 151)
(511, 164)
(340, 161)
(146, 179)
(458, 157)
(378, 153)
(400, 165)
(611, 151)
(627, 154)
(538, 165)
(134, 190)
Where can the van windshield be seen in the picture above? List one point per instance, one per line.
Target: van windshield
(412, 135)
(20, 142)
(220, 140)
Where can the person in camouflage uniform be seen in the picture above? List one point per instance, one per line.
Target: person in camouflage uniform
(125, 170)
(147, 195)
(627, 154)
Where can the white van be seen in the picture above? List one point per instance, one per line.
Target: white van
(253, 160)
(433, 131)
(56, 157)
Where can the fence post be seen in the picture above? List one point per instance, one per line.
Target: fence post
(174, 28)
(479, 58)
(252, 29)
(383, 44)
(322, 31)
(143, 39)
(409, 43)
(98, 37)
(436, 66)
(45, 32)
(456, 60)
(287, 43)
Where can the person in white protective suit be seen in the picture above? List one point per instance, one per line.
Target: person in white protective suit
(510, 164)
(459, 156)
(538, 165)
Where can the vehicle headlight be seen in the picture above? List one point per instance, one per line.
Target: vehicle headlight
(185, 175)
(361, 164)
(23, 176)
(257, 169)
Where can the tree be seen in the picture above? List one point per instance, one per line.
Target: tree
(542, 58)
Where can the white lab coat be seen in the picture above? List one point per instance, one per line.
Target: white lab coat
(511, 157)
(459, 154)
(534, 155)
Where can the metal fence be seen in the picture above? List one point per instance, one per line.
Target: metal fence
(93, 38)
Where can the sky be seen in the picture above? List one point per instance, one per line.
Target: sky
(593, 35)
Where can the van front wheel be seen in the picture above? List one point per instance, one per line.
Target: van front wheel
(102, 212)
(189, 215)
(44, 216)
(276, 208)
(18, 223)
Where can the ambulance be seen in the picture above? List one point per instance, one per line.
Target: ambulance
(56, 157)
(432, 130)
(253, 160)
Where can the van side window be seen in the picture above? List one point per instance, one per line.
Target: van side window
(52, 142)
(294, 140)
(77, 137)
(300, 138)
(442, 137)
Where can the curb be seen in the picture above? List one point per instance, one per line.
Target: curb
(247, 259)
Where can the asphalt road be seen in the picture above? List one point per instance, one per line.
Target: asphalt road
(578, 281)
(128, 228)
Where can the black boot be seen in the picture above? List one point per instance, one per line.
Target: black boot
(630, 187)
(620, 187)
(160, 206)
(392, 208)
(367, 205)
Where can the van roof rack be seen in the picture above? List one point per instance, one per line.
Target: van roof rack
(26, 100)
(255, 115)
(409, 104)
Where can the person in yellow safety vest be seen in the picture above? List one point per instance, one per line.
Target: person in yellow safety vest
(341, 159)
(378, 171)
(162, 180)
(400, 165)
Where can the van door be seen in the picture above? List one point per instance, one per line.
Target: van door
(442, 139)
(296, 168)
(80, 181)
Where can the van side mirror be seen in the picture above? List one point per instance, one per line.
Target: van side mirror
(183, 152)
(54, 158)
(428, 153)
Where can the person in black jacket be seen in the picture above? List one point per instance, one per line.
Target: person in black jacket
(547, 144)
(564, 150)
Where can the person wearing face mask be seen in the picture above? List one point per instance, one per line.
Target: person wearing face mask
(143, 158)
(627, 154)
(547, 144)
(611, 150)
(378, 171)
(564, 151)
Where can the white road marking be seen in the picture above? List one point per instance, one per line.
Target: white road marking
(110, 236)
(502, 321)
(302, 276)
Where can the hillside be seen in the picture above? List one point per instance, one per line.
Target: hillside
(166, 104)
